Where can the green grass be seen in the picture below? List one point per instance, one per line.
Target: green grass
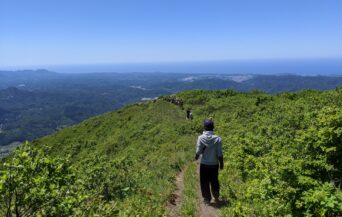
(136, 153)
(282, 154)
(189, 205)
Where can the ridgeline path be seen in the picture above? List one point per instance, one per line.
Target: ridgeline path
(175, 203)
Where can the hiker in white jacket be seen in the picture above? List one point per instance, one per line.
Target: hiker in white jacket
(210, 147)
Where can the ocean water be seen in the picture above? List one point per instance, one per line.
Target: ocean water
(278, 66)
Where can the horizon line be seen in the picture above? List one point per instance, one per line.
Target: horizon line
(41, 66)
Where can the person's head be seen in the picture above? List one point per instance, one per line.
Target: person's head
(208, 125)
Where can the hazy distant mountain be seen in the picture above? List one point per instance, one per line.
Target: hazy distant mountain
(37, 103)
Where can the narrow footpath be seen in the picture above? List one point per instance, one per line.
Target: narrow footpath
(175, 203)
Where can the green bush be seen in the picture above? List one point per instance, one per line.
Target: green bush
(34, 184)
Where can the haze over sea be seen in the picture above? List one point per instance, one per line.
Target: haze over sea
(276, 66)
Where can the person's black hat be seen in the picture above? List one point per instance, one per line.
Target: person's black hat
(208, 125)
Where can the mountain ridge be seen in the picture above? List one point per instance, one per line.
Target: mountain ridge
(127, 160)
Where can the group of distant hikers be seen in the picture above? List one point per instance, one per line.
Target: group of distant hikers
(175, 101)
(209, 148)
(179, 102)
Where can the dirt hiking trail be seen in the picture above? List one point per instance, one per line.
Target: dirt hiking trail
(175, 202)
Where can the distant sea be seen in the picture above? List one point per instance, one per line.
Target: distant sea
(276, 66)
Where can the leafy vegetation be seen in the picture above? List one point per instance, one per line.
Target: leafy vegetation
(282, 155)
(127, 160)
(33, 184)
(282, 152)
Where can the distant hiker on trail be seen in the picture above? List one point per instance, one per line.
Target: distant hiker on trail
(180, 103)
(210, 147)
(188, 115)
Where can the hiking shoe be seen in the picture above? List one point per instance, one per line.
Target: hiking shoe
(206, 202)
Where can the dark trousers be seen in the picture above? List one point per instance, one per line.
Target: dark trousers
(209, 178)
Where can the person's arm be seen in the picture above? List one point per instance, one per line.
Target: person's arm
(199, 148)
(221, 162)
(220, 154)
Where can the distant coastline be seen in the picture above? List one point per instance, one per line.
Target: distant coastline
(7, 149)
(300, 66)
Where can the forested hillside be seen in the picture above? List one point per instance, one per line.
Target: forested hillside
(282, 157)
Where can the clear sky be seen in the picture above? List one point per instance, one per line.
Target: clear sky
(43, 32)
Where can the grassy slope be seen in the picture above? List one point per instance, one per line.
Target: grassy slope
(141, 148)
(133, 155)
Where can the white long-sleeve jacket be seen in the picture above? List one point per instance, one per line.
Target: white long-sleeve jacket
(210, 146)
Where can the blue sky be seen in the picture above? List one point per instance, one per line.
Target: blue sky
(59, 32)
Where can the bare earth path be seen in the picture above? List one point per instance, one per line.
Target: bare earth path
(175, 203)
(204, 210)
